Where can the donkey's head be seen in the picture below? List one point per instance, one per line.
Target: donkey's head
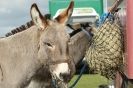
(53, 43)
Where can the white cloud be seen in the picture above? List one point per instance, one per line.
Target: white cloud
(17, 12)
(5, 11)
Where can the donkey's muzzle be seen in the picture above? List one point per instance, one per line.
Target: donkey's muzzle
(65, 76)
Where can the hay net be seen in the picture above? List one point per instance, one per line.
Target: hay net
(105, 54)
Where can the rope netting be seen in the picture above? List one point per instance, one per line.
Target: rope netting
(105, 54)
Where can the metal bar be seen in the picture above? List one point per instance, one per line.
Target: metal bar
(129, 37)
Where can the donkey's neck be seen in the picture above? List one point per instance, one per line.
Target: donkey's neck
(25, 39)
(18, 54)
(28, 35)
(21, 46)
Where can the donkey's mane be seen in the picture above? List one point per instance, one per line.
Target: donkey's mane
(23, 27)
(19, 29)
(30, 23)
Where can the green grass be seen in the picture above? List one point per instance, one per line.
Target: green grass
(90, 81)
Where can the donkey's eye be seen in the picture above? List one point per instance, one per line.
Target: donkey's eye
(48, 44)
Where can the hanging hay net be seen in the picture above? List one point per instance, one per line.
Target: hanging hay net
(105, 54)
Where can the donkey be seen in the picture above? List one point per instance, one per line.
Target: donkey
(78, 44)
(45, 45)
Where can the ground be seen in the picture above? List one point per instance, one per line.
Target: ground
(90, 81)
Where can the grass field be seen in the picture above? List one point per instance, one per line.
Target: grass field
(90, 81)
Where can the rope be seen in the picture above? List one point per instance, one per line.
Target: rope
(124, 80)
(102, 19)
(54, 82)
(111, 11)
(78, 78)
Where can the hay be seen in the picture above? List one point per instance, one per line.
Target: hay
(105, 54)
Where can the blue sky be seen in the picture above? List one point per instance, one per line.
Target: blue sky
(14, 13)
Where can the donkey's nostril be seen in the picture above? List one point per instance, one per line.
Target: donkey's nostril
(65, 76)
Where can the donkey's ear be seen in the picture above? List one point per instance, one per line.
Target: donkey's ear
(37, 17)
(65, 15)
